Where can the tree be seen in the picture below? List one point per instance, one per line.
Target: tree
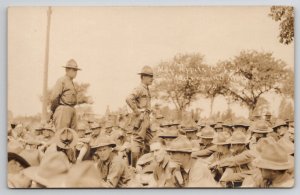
(215, 79)
(288, 84)
(253, 74)
(180, 79)
(284, 14)
(286, 109)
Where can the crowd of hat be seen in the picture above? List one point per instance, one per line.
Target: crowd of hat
(40, 156)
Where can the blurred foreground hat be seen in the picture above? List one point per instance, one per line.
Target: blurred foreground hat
(51, 171)
(83, 175)
(168, 133)
(146, 70)
(72, 64)
(271, 155)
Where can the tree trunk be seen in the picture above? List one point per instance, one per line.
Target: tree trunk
(211, 106)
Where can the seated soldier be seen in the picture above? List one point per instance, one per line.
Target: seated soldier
(273, 163)
(113, 169)
(206, 147)
(220, 140)
(161, 158)
(185, 171)
(239, 164)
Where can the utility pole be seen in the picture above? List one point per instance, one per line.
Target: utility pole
(45, 82)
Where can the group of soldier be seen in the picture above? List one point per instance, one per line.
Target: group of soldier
(145, 149)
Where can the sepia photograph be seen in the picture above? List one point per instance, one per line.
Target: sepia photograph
(150, 97)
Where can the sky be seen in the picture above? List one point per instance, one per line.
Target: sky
(112, 44)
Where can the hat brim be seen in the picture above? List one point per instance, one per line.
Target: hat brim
(18, 158)
(53, 182)
(279, 125)
(259, 131)
(206, 137)
(145, 74)
(265, 164)
(180, 150)
(104, 144)
(71, 68)
(220, 143)
(234, 142)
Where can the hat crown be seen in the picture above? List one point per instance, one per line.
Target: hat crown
(95, 125)
(261, 125)
(207, 131)
(238, 136)
(53, 164)
(242, 122)
(147, 70)
(103, 141)
(274, 152)
(221, 137)
(168, 133)
(181, 143)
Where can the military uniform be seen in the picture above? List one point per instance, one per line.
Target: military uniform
(114, 171)
(65, 113)
(140, 102)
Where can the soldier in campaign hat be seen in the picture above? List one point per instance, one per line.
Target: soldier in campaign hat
(65, 141)
(64, 97)
(274, 163)
(140, 103)
(206, 147)
(239, 163)
(187, 172)
(113, 169)
(259, 129)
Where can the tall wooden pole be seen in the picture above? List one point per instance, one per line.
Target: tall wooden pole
(45, 82)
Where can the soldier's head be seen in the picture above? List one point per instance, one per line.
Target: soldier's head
(221, 140)
(268, 116)
(146, 75)
(81, 128)
(180, 150)
(280, 127)
(238, 142)
(158, 150)
(206, 135)
(71, 68)
(104, 146)
(96, 128)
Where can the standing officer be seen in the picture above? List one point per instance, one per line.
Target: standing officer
(140, 103)
(64, 98)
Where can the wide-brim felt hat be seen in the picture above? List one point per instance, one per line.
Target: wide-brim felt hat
(70, 142)
(146, 70)
(279, 123)
(180, 144)
(221, 138)
(238, 137)
(52, 170)
(18, 158)
(72, 64)
(272, 155)
(260, 126)
(207, 132)
(102, 141)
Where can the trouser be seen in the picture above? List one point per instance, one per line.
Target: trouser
(65, 116)
(138, 139)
